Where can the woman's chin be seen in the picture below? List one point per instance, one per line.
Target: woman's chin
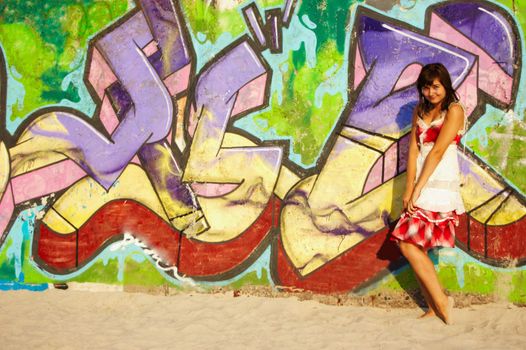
(435, 102)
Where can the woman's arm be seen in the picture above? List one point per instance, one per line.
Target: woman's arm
(411, 162)
(453, 122)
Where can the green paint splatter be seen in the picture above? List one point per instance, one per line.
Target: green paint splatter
(98, 15)
(141, 274)
(518, 293)
(211, 21)
(447, 276)
(252, 279)
(297, 116)
(44, 42)
(518, 8)
(330, 18)
(31, 57)
(100, 272)
(404, 280)
(31, 274)
(34, 276)
(479, 279)
(135, 273)
(7, 265)
(505, 151)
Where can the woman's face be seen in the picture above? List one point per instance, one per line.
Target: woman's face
(435, 92)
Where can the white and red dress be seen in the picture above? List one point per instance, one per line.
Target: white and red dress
(440, 204)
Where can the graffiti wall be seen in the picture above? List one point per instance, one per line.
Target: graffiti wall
(226, 143)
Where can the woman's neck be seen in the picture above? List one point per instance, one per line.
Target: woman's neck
(436, 108)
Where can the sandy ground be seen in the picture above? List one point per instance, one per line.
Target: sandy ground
(70, 319)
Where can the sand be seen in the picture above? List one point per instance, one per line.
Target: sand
(70, 319)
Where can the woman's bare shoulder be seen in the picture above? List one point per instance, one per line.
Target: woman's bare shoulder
(456, 105)
(455, 114)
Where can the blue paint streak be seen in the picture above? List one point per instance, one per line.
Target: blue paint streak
(5, 286)
(15, 97)
(20, 234)
(85, 104)
(205, 50)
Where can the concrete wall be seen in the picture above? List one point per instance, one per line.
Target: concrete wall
(228, 143)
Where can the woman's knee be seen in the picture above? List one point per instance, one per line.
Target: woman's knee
(406, 248)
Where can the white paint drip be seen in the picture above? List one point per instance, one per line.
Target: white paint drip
(129, 239)
(425, 42)
(510, 41)
(43, 202)
(509, 119)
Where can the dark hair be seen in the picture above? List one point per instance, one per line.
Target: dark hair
(427, 75)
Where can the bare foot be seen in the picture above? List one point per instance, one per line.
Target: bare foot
(445, 310)
(427, 314)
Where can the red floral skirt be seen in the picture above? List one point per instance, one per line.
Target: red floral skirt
(426, 228)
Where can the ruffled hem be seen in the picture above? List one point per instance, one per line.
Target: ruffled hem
(437, 218)
(427, 229)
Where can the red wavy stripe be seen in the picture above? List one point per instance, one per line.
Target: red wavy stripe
(62, 253)
(351, 269)
(209, 259)
(504, 243)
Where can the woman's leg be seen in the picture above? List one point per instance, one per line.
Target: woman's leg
(430, 307)
(426, 274)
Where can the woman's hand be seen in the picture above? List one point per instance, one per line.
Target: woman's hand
(407, 197)
(411, 208)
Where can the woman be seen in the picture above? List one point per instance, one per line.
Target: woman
(432, 200)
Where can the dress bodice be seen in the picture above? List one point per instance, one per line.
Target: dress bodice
(441, 192)
(429, 133)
